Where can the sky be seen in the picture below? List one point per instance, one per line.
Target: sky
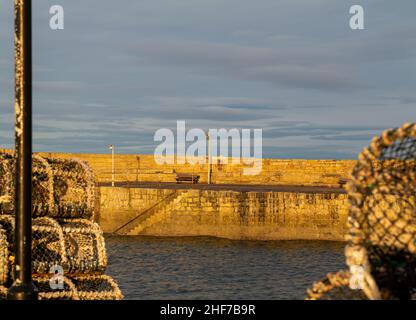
(121, 70)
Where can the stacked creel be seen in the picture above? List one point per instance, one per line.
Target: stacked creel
(382, 221)
(381, 241)
(61, 188)
(68, 249)
(4, 255)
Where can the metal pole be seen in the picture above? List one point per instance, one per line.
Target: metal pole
(138, 168)
(111, 147)
(23, 287)
(113, 168)
(209, 159)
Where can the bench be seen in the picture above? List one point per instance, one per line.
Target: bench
(187, 177)
(343, 181)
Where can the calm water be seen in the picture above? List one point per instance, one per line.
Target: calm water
(211, 268)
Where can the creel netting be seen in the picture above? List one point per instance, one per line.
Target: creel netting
(62, 231)
(62, 188)
(382, 217)
(77, 245)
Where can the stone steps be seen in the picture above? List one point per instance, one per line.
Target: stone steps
(153, 215)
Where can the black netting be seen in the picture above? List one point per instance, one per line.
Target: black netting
(85, 246)
(74, 188)
(64, 238)
(383, 196)
(62, 188)
(77, 245)
(86, 287)
(49, 289)
(100, 287)
(382, 220)
(48, 247)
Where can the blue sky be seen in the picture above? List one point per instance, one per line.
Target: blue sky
(123, 69)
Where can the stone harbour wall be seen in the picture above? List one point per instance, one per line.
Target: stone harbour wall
(136, 168)
(253, 215)
(227, 214)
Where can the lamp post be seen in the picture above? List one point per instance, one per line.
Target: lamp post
(209, 158)
(23, 287)
(112, 148)
(138, 168)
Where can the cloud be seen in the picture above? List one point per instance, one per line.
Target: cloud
(313, 131)
(350, 137)
(70, 86)
(313, 107)
(324, 64)
(279, 67)
(4, 63)
(317, 88)
(219, 109)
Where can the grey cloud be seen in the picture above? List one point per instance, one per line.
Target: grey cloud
(117, 78)
(291, 68)
(321, 65)
(351, 137)
(320, 132)
(69, 86)
(313, 107)
(253, 107)
(214, 113)
(222, 109)
(7, 119)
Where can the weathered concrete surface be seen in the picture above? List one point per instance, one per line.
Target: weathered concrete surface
(258, 215)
